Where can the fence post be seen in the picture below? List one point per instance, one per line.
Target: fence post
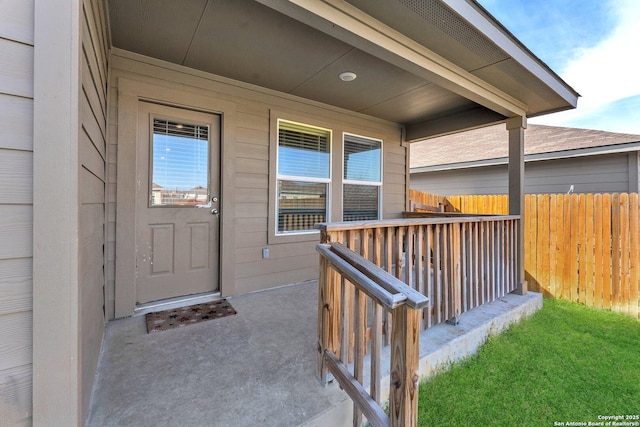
(328, 316)
(403, 394)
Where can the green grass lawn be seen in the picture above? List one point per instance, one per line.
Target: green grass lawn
(567, 363)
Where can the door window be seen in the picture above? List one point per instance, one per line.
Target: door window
(179, 164)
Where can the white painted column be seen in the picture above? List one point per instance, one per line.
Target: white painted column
(56, 329)
(516, 126)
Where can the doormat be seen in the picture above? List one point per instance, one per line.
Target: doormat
(179, 317)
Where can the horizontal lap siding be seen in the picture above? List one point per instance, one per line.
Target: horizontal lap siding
(16, 211)
(606, 173)
(92, 192)
(16, 122)
(593, 174)
(481, 180)
(287, 262)
(395, 180)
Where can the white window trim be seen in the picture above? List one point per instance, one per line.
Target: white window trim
(328, 181)
(368, 183)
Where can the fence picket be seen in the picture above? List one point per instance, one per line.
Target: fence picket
(560, 243)
(589, 263)
(606, 256)
(634, 255)
(615, 252)
(543, 239)
(624, 253)
(553, 241)
(598, 258)
(568, 266)
(530, 237)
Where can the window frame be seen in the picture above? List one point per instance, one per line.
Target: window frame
(273, 235)
(345, 181)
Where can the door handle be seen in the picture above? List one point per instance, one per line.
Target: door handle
(214, 211)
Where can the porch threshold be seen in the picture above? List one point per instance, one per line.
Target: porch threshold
(256, 367)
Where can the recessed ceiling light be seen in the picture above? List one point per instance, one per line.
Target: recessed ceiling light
(347, 76)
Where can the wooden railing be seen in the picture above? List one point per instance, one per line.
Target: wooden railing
(344, 277)
(457, 263)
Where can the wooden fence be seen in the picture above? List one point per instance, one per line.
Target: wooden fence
(580, 247)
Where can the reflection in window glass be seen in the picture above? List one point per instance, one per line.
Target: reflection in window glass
(180, 164)
(303, 176)
(303, 151)
(362, 159)
(362, 178)
(360, 202)
(300, 205)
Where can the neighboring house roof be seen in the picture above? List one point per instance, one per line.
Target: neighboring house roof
(489, 146)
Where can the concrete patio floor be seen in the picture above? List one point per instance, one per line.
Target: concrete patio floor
(256, 367)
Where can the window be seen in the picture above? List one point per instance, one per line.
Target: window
(362, 178)
(303, 166)
(180, 164)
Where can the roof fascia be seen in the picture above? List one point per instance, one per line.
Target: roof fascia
(351, 25)
(483, 21)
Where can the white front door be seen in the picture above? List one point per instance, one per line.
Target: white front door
(177, 193)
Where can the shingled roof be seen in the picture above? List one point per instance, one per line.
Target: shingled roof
(491, 142)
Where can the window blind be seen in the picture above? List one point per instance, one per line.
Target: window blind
(169, 128)
(180, 163)
(362, 158)
(303, 151)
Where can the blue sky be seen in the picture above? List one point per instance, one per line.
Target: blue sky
(594, 45)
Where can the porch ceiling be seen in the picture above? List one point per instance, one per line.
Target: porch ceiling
(290, 47)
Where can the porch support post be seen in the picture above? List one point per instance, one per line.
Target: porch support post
(516, 126)
(57, 357)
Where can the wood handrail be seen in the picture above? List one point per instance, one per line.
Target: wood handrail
(379, 295)
(404, 222)
(413, 298)
(412, 214)
(337, 263)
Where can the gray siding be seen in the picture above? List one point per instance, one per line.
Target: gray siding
(16, 211)
(607, 173)
(250, 203)
(92, 178)
(16, 201)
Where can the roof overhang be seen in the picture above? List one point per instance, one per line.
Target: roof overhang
(443, 67)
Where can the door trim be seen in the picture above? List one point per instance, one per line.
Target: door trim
(130, 93)
(186, 258)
